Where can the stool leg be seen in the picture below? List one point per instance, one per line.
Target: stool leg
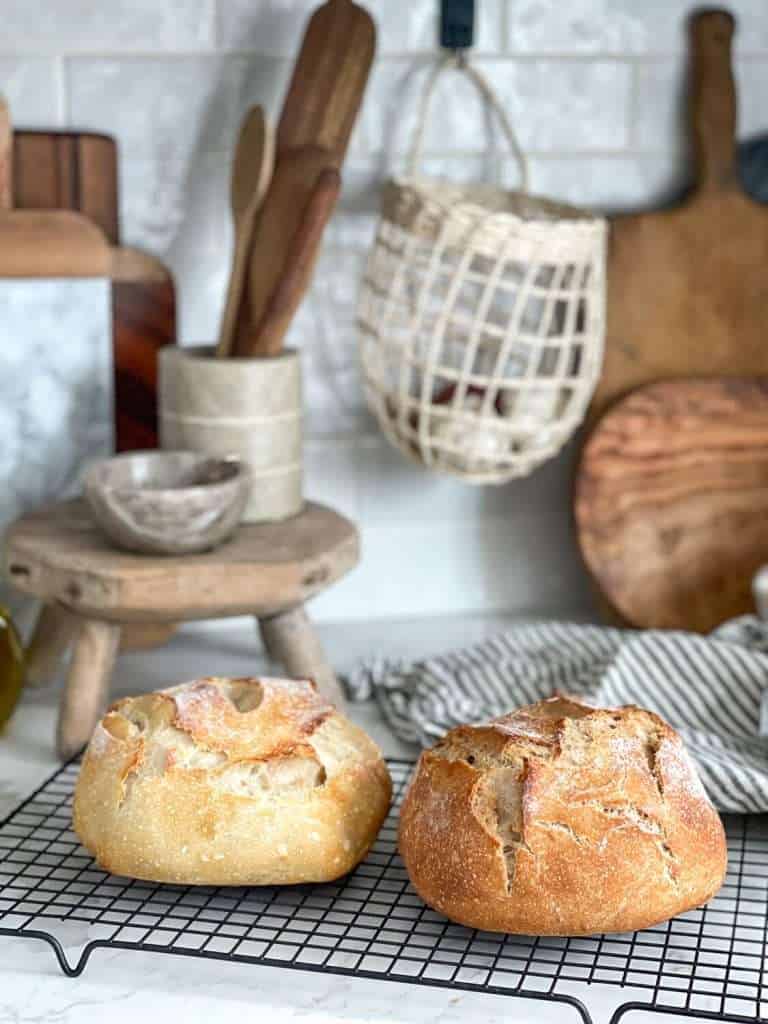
(290, 639)
(267, 637)
(87, 686)
(49, 643)
(145, 636)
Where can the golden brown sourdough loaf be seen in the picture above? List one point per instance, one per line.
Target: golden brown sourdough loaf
(561, 819)
(230, 782)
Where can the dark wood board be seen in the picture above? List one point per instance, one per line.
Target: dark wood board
(672, 501)
(68, 171)
(688, 286)
(143, 321)
(78, 171)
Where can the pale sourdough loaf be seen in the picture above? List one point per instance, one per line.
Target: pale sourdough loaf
(230, 782)
(561, 819)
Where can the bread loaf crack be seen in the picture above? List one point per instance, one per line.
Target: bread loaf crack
(562, 826)
(652, 745)
(506, 795)
(635, 817)
(230, 782)
(561, 819)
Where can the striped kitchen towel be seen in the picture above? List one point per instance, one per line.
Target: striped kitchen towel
(709, 688)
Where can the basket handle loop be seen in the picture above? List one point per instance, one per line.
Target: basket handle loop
(484, 87)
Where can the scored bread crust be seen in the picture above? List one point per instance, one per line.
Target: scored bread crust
(230, 782)
(561, 819)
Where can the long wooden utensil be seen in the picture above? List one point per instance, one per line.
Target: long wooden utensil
(672, 501)
(6, 157)
(251, 174)
(300, 264)
(293, 183)
(319, 112)
(329, 79)
(687, 285)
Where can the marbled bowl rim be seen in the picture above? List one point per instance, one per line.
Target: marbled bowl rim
(239, 479)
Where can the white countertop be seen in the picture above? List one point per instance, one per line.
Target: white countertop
(129, 986)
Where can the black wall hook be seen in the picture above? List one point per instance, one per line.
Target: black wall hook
(457, 24)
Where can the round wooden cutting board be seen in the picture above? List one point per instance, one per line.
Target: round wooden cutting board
(672, 501)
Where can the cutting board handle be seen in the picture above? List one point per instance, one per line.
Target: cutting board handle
(713, 99)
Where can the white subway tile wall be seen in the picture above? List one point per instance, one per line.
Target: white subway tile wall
(595, 91)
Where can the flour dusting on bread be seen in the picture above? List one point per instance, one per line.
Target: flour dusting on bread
(230, 781)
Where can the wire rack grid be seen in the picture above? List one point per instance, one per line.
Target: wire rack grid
(708, 963)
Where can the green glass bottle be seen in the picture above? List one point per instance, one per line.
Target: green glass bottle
(11, 666)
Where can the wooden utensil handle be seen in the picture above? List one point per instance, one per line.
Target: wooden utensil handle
(713, 99)
(6, 157)
(293, 182)
(299, 265)
(251, 174)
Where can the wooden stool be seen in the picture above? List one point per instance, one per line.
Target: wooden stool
(91, 590)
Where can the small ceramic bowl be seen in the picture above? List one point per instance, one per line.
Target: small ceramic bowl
(167, 503)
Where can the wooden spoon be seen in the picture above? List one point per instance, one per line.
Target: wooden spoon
(6, 157)
(251, 174)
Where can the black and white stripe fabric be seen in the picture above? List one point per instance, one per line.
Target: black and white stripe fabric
(709, 688)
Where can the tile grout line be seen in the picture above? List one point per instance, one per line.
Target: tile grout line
(62, 92)
(506, 30)
(543, 57)
(216, 26)
(634, 106)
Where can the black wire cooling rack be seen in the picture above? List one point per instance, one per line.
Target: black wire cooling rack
(707, 963)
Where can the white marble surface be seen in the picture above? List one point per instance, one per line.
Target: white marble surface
(130, 986)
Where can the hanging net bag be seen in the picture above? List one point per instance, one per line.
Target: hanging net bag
(481, 317)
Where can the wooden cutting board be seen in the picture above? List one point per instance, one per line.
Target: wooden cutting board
(78, 171)
(672, 501)
(144, 320)
(688, 286)
(51, 244)
(68, 171)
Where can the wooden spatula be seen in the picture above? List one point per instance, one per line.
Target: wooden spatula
(687, 285)
(329, 79)
(300, 264)
(6, 157)
(293, 183)
(251, 174)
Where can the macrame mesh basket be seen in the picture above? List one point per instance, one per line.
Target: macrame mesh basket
(481, 320)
